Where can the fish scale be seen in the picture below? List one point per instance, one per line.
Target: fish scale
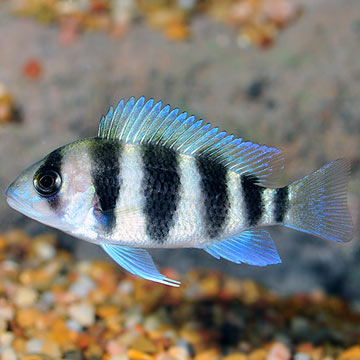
(157, 178)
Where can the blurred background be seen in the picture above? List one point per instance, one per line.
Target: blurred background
(285, 73)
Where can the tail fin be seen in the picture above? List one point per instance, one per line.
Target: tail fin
(318, 203)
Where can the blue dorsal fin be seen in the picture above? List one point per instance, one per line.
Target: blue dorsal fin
(254, 247)
(142, 122)
(138, 262)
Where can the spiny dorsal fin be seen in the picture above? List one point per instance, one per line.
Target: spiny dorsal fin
(143, 122)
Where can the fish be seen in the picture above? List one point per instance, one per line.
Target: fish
(155, 177)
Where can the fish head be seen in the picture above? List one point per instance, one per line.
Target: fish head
(55, 191)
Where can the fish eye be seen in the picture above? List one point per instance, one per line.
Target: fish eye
(47, 183)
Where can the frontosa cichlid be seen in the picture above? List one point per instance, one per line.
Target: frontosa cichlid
(154, 178)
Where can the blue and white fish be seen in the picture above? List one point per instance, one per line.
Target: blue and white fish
(154, 178)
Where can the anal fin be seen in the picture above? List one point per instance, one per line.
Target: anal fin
(138, 262)
(253, 247)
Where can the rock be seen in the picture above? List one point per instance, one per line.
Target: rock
(44, 250)
(300, 327)
(6, 338)
(138, 355)
(107, 311)
(73, 325)
(83, 313)
(19, 344)
(237, 356)
(259, 354)
(211, 354)
(114, 347)
(52, 349)
(32, 69)
(302, 356)
(73, 355)
(26, 318)
(6, 112)
(178, 353)
(82, 286)
(186, 346)
(84, 340)
(352, 353)
(144, 344)
(151, 323)
(25, 297)
(119, 357)
(126, 287)
(6, 311)
(34, 346)
(8, 354)
(279, 351)
(59, 332)
(34, 357)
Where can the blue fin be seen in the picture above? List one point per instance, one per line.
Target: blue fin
(140, 122)
(254, 247)
(138, 262)
(318, 204)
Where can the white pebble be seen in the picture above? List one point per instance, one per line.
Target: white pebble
(126, 287)
(151, 323)
(83, 313)
(25, 297)
(119, 357)
(6, 312)
(8, 354)
(84, 267)
(47, 297)
(34, 346)
(82, 286)
(186, 4)
(45, 250)
(73, 325)
(302, 356)
(133, 318)
(6, 338)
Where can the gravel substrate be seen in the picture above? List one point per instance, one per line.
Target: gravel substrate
(54, 307)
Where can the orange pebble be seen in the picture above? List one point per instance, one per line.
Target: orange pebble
(211, 354)
(26, 318)
(139, 355)
(177, 31)
(352, 353)
(32, 69)
(107, 311)
(84, 340)
(59, 332)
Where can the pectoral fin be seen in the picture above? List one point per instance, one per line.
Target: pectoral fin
(138, 262)
(254, 247)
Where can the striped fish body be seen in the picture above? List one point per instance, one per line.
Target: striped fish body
(151, 196)
(154, 178)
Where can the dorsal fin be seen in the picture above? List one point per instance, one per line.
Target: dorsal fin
(143, 122)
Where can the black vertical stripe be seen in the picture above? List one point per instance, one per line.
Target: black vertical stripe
(105, 174)
(161, 184)
(215, 193)
(281, 201)
(253, 199)
(52, 162)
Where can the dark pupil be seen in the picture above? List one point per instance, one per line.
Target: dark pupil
(46, 181)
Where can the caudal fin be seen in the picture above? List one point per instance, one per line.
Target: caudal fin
(318, 203)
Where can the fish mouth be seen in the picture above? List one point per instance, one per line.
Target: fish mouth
(14, 202)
